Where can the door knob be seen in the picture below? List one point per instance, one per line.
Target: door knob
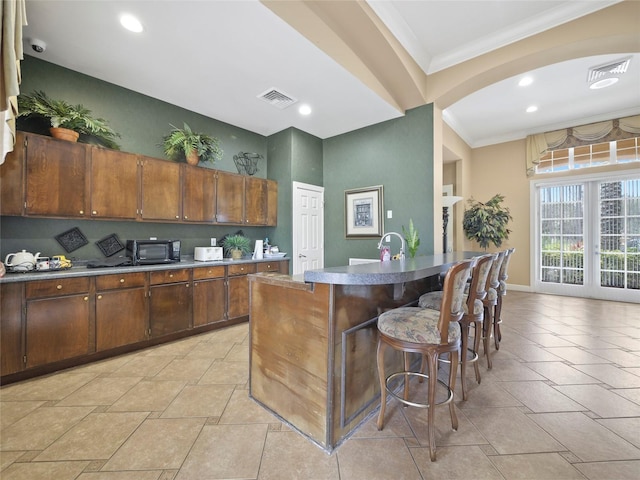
(301, 256)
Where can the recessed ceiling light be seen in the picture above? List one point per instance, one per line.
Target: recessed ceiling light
(605, 82)
(304, 109)
(525, 81)
(131, 23)
(532, 109)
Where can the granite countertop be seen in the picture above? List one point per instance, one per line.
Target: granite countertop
(81, 270)
(382, 273)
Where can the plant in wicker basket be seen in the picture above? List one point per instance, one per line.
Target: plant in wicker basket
(487, 222)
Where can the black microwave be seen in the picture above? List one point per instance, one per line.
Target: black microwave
(151, 252)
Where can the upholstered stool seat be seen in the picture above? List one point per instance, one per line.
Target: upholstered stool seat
(429, 333)
(501, 292)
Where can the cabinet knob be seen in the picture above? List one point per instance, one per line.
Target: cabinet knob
(99, 297)
(186, 217)
(122, 280)
(59, 287)
(81, 212)
(187, 285)
(177, 217)
(94, 212)
(86, 299)
(171, 275)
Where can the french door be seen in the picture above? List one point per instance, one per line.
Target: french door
(588, 237)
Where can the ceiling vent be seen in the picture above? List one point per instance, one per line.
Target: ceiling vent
(608, 71)
(277, 98)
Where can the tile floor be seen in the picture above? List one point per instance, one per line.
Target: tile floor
(561, 402)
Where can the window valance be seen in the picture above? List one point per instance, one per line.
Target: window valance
(539, 144)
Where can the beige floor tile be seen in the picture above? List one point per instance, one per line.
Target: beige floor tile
(98, 436)
(225, 452)
(210, 350)
(199, 401)
(601, 401)
(560, 373)
(189, 369)
(510, 431)
(563, 329)
(467, 433)
(632, 394)
(44, 471)
(538, 466)
(576, 355)
(549, 340)
(101, 391)
(395, 424)
(242, 409)
(610, 470)
(630, 343)
(455, 463)
(488, 394)
(157, 444)
(7, 458)
(143, 366)
(585, 437)
(238, 353)
(148, 396)
(627, 428)
(41, 427)
(230, 335)
(11, 412)
(618, 356)
(229, 373)
(540, 397)
(611, 375)
(289, 456)
(531, 353)
(52, 387)
(178, 348)
(587, 341)
(109, 365)
(139, 475)
(376, 459)
(512, 371)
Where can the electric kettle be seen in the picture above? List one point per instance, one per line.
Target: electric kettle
(22, 261)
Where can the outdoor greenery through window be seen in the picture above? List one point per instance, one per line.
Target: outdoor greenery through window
(584, 156)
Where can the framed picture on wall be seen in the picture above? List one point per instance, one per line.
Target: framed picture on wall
(363, 212)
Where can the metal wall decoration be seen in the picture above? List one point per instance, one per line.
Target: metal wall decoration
(247, 163)
(363, 212)
(72, 239)
(110, 245)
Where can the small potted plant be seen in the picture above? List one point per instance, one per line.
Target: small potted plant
(67, 121)
(412, 238)
(486, 222)
(236, 246)
(183, 144)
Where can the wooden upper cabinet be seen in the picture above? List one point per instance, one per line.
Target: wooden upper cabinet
(114, 184)
(161, 190)
(272, 203)
(198, 194)
(230, 198)
(56, 177)
(255, 201)
(12, 179)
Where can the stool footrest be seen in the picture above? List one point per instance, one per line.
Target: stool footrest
(414, 404)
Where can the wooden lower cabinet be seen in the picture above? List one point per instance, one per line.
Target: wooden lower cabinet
(238, 289)
(11, 339)
(121, 310)
(170, 304)
(59, 321)
(209, 295)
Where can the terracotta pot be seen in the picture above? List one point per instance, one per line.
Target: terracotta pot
(236, 254)
(193, 158)
(64, 134)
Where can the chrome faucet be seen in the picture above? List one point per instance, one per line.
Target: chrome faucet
(402, 246)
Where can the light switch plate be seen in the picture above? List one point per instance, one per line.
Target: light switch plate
(389, 213)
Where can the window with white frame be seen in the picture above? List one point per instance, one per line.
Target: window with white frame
(584, 156)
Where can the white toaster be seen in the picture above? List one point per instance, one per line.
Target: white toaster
(207, 254)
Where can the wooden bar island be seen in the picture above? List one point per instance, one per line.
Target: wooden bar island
(313, 340)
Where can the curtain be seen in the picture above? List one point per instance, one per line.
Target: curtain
(630, 124)
(13, 17)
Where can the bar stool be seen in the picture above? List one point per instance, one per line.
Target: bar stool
(490, 301)
(429, 333)
(473, 315)
(502, 291)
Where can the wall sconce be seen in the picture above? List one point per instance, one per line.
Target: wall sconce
(448, 201)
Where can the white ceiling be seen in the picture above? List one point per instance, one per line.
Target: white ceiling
(215, 57)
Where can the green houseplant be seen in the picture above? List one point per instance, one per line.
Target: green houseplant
(412, 238)
(236, 245)
(67, 121)
(486, 222)
(183, 144)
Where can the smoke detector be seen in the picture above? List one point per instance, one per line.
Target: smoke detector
(277, 98)
(605, 75)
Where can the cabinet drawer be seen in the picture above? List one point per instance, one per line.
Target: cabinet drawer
(243, 269)
(208, 272)
(49, 288)
(170, 276)
(127, 280)
(269, 267)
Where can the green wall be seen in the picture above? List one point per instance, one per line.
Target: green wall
(397, 154)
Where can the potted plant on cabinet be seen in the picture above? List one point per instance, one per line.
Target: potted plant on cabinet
(183, 144)
(487, 222)
(67, 122)
(236, 246)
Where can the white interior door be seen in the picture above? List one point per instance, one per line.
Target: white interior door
(308, 227)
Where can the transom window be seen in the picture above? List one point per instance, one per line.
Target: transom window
(585, 156)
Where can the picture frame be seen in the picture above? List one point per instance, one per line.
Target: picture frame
(363, 212)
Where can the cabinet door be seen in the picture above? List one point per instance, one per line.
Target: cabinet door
(238, 296)
(58, 329)
(56, 177)
(230, 198)
(12, 179)
(121, 318)
(272, 203)
(114, 184)
(11, 351)
(198, 194)
(255, 201)
(169, 308)
(209, 298)
(161, 192)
